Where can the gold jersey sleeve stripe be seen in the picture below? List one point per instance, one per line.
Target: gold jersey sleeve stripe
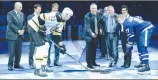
(42, 16)
(33, 25)
(59, 28)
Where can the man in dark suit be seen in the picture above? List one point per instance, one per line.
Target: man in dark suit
(15, 30)
(127, 56)
(91, 30)
(37, 11)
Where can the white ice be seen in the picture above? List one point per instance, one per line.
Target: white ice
(72, 70)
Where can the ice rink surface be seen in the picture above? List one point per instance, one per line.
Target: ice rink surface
(72, 70)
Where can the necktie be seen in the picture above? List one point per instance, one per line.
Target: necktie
(18, 14)
(96, 28)
(109, 24)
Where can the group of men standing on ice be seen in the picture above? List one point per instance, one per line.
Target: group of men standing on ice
(45, 28)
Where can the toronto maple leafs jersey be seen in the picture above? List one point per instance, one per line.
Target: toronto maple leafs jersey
(132, 23)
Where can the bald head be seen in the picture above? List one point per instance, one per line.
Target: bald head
(93, 8)
(18, 6)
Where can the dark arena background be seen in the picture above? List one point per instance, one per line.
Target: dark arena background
(73, 39)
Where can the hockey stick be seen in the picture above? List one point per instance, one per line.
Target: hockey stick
(92, 70)
(77, 61)
(69, 55)
(82, 54)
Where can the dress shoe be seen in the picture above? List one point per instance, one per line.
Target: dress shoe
(106, 57)
(18, 67)
(125, 66)
(10, 68)
(32, 66)
(95, 64)
(57, 64)
(90, 66)
(112, 64)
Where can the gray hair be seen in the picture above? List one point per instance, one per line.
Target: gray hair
(17, 3)
(93, 4)
(110, 6)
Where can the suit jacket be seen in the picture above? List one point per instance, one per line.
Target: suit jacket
(89, 25)
(28, 27)
(14, 25)
(115, 26)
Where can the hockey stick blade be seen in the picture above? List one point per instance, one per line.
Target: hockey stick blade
(77, 61)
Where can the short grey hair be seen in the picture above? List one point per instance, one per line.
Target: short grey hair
(17, 3)
(93, 4)
(110, 6)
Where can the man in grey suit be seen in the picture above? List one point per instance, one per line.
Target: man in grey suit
(15, 30)
(111, 29)
(37, 11)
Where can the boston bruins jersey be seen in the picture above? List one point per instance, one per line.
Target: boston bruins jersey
(52, 20)
(48, 20)
(54, 24)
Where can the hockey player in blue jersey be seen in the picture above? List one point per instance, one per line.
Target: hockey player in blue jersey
(142, 30)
